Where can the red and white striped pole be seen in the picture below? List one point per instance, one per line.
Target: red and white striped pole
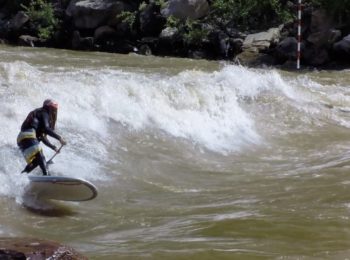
(299, 34)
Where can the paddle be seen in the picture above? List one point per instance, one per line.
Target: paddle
(53, 156)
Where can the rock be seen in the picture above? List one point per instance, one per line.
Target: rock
(89, 14)
(219, 43)
(151, 42)
(289, 65)
(27, 40)
(324, 38)
(184, 9)
(255, 59)
(38, 249)
(11, 255)
(320, 21)
(124, 47)
(144, 50)
(286, 50)
(261, 41)
(151, 21)
(342, 48)
(315, 56)
(18, 21)
(233, 32)
(170, 42)
(168, 33)
(235, 47)
(197, 54)
(124, 30)
(104, 33)
(82, 43)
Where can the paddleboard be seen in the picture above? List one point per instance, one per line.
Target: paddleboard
(60, 188)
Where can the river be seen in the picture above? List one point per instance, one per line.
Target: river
(192, 159)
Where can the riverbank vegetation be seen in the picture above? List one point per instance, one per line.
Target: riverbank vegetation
(213, 29)
(249, 14)
(246, 15)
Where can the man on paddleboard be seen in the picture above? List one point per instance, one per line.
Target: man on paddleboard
(35, 128)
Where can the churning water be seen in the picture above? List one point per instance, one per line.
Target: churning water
(192, 159)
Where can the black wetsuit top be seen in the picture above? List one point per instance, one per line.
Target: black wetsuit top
(38, 119)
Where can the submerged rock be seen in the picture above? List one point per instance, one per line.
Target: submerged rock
(38, 249)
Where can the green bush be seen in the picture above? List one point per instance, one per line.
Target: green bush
(161, 3)
(128, 18)
(194, 32)
(173, 22)
(41, 14)
(247, 13)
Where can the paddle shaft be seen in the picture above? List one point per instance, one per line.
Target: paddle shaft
(57, 152)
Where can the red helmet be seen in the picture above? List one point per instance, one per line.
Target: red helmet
(50, 104)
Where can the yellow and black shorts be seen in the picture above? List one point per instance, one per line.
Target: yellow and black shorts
(29, 144)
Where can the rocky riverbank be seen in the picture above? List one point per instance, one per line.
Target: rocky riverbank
(32, 248)
(174, 28)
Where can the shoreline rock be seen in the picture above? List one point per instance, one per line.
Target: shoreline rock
(23, 248)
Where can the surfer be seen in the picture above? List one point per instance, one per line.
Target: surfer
(35, 128)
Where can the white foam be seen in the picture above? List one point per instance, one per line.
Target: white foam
(12, 181)
(194, 105)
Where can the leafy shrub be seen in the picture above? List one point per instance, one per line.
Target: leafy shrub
(127, 17)
(249, 12)
(172, 22)
(194, 32)
(42, 15)
(161, 3)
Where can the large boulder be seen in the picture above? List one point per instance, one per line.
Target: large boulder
(82, 43)
(322, 34)
(325, 38)
(90, 14)
(320, 40)
(342, 48)
(320, 21)
(286, 50)
(18, 21)
(104, 33)
(184, 9)
(255, 44)
(261, 41)
(39, 249)
(315, 56)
